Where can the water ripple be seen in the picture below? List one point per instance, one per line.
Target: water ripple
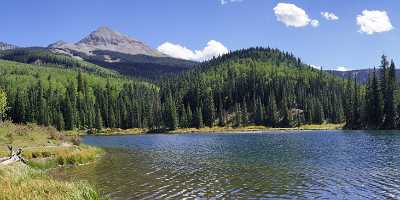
(312, 165)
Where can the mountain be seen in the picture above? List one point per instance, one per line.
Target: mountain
(107, 40)
(5, 46)
(361, 74)
(119, 52)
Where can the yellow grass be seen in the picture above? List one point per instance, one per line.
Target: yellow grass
(326, 126)
(43, 147)
(21, 182)
(108, 131)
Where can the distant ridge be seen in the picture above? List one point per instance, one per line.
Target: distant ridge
(361, 74)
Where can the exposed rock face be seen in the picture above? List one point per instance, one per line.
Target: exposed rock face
(5, 46)
(105, 39)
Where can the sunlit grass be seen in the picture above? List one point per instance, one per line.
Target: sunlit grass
(20, 182)
(43, 148)
(252, 128)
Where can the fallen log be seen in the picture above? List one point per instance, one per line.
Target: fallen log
(15, 156)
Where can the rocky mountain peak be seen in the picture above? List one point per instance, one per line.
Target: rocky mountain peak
(6, 46)
(106, 36)
(105, 39)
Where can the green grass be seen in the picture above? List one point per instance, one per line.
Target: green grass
(20, 182)
(325, 126)
(43, 148)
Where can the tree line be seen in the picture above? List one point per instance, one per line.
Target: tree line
(257, 86)
(375, 105)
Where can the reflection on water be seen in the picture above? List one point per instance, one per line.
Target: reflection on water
(328, 165)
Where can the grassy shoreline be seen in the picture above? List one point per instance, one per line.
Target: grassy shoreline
(215, 129)
(257, 129)
(43, 148)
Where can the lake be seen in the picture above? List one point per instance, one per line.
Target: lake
(284, 165)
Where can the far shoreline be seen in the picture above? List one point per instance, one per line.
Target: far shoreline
(207, 130)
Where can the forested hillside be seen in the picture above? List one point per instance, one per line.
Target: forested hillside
(43, 57)
(257, 86)
(254, 86)
(70, 99)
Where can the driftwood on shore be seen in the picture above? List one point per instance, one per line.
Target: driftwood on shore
(15, 156)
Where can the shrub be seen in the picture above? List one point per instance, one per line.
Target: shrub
(76, 140)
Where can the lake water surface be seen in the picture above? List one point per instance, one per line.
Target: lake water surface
(298, 165)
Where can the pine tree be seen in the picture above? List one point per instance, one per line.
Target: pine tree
(244, 113)
(3, 104)
(69, 115)
(19, 108)
(318, 116)
(189, 117)
(60, 124)
(171, 120)
(259, 112)
(183, 121)
(348, 103)
(238, 115)
(375, 104)
(221, 112)
(389, 109)
(80, 82)
(285, 121)
(98, 120)
(356, 124)
(199, 118)
(272, 110)
(209, 111)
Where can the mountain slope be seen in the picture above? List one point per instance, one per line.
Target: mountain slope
(43, 57)
(113, 50)
(141, 66)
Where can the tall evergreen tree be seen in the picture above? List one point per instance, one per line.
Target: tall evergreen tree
(272, 111)
(198, 119)
(183, 121)
(171, 120)
(356, 124)
(60, 124)
(209, 109)
(98, 120)
(389, 107)
(189, 117)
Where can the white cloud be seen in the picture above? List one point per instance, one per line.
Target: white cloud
(213, 49)
(294, 16)
(330, 16)
(342, 69)
(223, 2)
(314, 23)
(374, 21)
(315, 66)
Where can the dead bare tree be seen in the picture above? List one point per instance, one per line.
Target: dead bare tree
(15, 156)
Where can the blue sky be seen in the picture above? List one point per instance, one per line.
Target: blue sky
(235, 24)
